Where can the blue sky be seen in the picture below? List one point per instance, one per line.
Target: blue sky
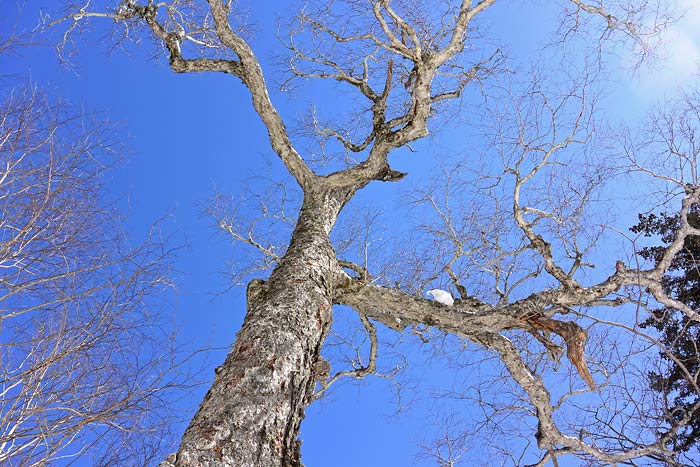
(190, 133)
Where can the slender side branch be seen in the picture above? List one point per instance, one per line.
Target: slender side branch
(363, 371)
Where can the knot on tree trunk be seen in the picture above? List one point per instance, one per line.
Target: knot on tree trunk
(387, 174)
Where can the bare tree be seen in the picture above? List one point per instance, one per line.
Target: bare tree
(85, 356)
(518, 243)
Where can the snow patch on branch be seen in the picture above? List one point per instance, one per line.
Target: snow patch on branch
(441, 296)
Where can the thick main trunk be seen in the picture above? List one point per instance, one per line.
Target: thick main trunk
(252, 413)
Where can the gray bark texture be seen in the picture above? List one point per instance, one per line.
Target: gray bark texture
(252, 413)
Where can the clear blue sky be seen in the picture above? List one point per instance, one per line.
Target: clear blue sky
(190, 133)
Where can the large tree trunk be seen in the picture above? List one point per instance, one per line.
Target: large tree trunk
(252, 413)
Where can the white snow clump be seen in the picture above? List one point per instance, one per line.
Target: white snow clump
(441, 296)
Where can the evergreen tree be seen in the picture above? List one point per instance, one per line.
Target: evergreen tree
(677, 380)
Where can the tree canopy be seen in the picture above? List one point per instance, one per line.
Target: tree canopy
(676, 379)
(523, 223)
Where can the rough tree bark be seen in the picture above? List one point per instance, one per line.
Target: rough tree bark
(252, 413)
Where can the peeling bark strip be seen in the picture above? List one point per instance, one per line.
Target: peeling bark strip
(575, 338)
(252, 413)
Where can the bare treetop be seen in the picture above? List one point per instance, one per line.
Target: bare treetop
(84, 361)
